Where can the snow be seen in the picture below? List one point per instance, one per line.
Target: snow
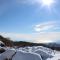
(26, 49)
(1, 57)
(30, 53)
(56, 56)
(7, 54)
(47, 50)
(43, 54)
(26, 56)
(1, 42)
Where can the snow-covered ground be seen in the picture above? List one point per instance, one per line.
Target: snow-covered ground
(30, 53)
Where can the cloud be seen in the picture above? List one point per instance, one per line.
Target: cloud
(45, 37)
(47, 26)
(16, 36)
(46, 32)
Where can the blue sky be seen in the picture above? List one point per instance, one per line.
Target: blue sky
(24, 19)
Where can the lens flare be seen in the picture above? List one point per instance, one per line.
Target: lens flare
(47, 3)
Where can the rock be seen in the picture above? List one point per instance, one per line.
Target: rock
(43, 54)
(26, 56)
(2, 50)
(7, 54)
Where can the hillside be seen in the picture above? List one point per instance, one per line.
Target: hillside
(10, 43)
(6, 41)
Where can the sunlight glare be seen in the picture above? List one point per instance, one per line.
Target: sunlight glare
(47, 3)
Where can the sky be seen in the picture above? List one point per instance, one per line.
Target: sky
(30, 20)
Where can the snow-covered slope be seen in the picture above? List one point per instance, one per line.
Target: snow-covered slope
(7, 54)
(43, 54)
(26, 56)
(30, 53)
(56, 56)
(1, 57)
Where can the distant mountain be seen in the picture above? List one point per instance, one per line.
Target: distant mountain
(10, 43)
(57, 41)
(54, 46)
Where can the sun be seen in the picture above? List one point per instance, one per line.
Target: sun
(47, 3)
